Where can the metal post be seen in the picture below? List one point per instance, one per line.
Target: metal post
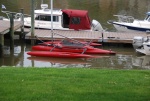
(11, 15)
(52, 21)
(32, 21)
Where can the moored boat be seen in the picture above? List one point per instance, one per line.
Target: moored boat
(58, 54)
(85, 49)
(63, 19)
(129, 24)
(63, 42)
(145, 49)
(142, 45)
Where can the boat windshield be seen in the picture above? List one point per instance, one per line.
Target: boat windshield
(147, 18)
(46, 18)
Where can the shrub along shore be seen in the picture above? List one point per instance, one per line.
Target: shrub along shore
(73, 84)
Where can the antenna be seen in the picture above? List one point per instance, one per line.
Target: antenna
(44, 6)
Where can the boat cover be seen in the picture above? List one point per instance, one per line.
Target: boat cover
(78, 19)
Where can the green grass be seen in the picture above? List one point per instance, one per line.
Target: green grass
(73, 84)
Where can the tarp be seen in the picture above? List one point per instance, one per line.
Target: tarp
(78, 19)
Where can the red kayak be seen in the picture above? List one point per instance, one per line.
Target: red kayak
(58, 54)
(85, 49)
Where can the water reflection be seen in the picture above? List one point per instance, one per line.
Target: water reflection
(17, 50)
(12, 57)
(126, 58)
(142, 61)
(58, 62)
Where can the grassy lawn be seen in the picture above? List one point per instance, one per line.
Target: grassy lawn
(73, 84)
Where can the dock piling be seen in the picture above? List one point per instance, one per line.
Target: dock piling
(11, 15)
(32, 21)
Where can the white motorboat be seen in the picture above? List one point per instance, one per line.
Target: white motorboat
(67, 19)
(129, 24)
(142, 45)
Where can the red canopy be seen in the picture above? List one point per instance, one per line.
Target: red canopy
(78, 19)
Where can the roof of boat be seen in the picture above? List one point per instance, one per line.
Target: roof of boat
(79, 19)
(72, 12)
(59, 12)
(48, 11)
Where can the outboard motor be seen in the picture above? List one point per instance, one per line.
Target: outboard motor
(138, 42)
(96, 26)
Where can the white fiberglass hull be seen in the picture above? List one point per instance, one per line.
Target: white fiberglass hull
(136, 26)
(146, 48)
(43, 24)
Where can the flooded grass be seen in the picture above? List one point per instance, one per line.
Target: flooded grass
(73, 84)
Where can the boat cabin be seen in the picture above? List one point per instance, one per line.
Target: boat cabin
(76, 19)
(67, 18)
(45, 14)
(62, 19)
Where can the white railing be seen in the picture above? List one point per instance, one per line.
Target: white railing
(123, 18)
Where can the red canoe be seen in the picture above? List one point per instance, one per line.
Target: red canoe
(58, 54)
(88, 49)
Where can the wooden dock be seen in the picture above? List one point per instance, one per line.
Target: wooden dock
(5, 27)
(60, 34)
(108, 37)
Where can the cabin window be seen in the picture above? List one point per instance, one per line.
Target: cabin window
(75, 20)
(46, 18)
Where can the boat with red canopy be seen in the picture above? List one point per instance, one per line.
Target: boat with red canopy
(66, 19)
(79, 19)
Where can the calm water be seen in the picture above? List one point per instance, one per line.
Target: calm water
(101, 10)
(126, 58)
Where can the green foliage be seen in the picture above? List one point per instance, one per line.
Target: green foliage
(73, 84)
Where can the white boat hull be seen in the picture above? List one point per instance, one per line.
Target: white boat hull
(131, 27)
(129, 24)
(145, 50)
(121, 28)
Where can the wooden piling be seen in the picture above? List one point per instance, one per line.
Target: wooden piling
(11, 15)
(32, 22)
(5, 27)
